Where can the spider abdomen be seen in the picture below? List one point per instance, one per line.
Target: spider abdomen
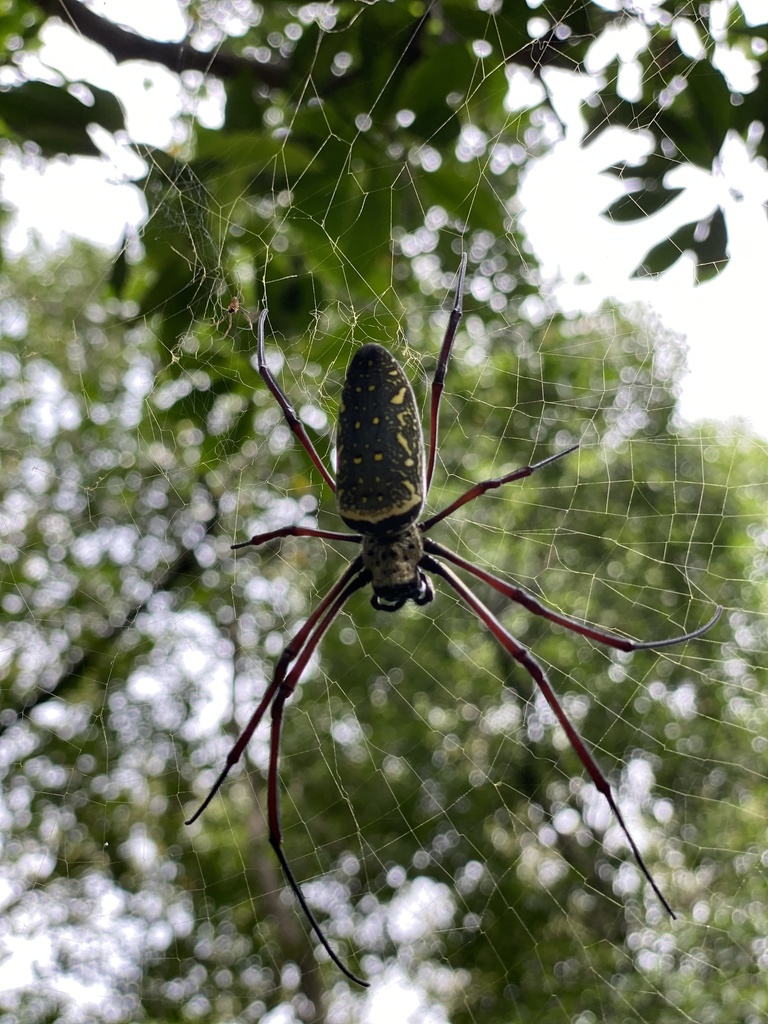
(379, 446)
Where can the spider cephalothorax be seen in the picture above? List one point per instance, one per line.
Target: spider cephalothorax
(380, 490)
(393, 562)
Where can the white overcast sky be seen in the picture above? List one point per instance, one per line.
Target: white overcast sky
(723, 320)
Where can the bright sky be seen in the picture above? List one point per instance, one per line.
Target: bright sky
(721, 320)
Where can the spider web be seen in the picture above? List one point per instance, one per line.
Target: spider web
(441, 827)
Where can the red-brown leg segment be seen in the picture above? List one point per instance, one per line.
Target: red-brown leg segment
(296, 655)
(528, 601)
(353, 574)
(488, 485)
(438, 381)
(537, 673)
(284, 402)
(284, 691)
(295, 531)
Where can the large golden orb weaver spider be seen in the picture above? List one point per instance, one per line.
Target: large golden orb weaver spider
(380, 490)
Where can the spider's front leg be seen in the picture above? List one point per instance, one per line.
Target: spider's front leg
(358, 580)
(516, 650)
(294, 649)
(288, 671)
(532, 604)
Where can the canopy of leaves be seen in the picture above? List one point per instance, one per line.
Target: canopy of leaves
(440, 824)
(694, 71)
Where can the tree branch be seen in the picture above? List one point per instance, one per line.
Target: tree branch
(125, 45)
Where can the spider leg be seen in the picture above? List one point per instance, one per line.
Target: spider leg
(284, 402)
(296, 655)
(227, 314)
(229, 325)
(528, 601)
(537, 673)
(295, 531)
(489, 485)
(296, 645)
(273, 786)
(442, 365)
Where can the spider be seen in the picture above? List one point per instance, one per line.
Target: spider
(380, 490)
(229, 314)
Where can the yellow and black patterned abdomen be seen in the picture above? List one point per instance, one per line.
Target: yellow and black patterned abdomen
(379, 446)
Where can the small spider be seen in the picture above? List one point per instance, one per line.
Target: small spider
(229, 314)
(383, 477)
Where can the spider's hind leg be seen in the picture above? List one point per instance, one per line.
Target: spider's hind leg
(293, 421)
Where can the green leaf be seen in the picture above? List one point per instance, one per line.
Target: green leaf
(707, 239)
(641, 203)
(56, 120)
